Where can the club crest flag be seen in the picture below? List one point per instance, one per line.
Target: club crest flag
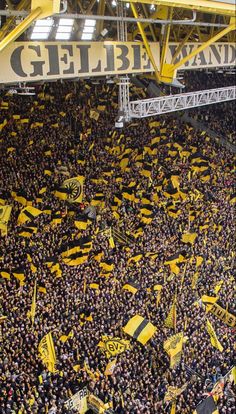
(113, 346)
(140, 329)
(75, 189)
(5, 212)
(173, 392)
(173, 346)
(47, 352)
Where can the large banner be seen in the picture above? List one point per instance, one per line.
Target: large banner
(34, 61)
(215, 55)
(78, 401)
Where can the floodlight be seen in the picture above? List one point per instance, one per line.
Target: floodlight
(88, 29)
(44, 22)
(39, 36)
(86, 36)
(62, 36)
(64, 29)
(41, 29)
(66, 22)
(90, 22)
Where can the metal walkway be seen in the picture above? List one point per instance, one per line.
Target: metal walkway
(164, 104)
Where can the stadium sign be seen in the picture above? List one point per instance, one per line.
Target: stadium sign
(27, 61)
(35, 61)
(215, 55)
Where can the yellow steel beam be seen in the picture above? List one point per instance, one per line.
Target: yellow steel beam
(145, 41)
(10, 5)
(23, 5)
(201, 38)
(181, 45)
(101, 11)
(88, 10)
(169, 70)
(166, 40)
(159, 13)
(209, 42)
(205, 6)
(149, 25)
(48, 7)
(39, 9)
(80, 6)
(20, 28)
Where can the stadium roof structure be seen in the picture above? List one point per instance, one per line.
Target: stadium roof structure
(193, 25)
(204, 21)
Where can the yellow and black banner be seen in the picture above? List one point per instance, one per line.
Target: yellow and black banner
(140, 329)
(218, 311)
(28, 231)
(207, 406)
(24, 62)
(97, 405)
(28, 213)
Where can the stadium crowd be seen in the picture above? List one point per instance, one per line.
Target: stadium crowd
(81, 303)
(220, 119)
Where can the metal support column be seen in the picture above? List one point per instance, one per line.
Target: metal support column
(123, 80)
(145, 41)
(124, 98)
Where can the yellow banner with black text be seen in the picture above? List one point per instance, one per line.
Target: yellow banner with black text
(34, 61)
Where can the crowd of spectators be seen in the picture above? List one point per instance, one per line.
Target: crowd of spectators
(219, 118)
(142, 374)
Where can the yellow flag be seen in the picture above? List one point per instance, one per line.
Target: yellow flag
(113, 346)
(214, 339)
(47, 352)
(170, 321)
(173, 346)
(199, 260)
(189, 237)
(75, 187)
(173, 392)
(111, 242)
(5, 212)
(140, 329)
(28, 213)
(33, 305)
(110, 367)
(218, 286)
(173, 408)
